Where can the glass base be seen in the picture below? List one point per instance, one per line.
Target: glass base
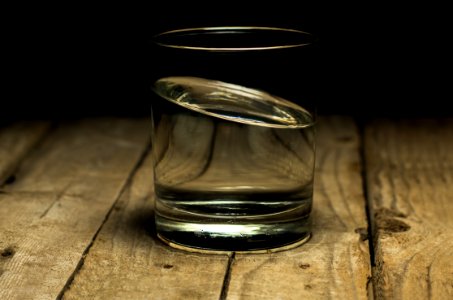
(218, 238)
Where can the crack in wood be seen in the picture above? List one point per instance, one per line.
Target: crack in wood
(371, 293)
(226, 279)
(128, 182)
(369, 288)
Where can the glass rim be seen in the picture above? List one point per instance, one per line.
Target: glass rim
(300, 38)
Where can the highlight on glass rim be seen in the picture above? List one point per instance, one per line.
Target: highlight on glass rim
(234, 38)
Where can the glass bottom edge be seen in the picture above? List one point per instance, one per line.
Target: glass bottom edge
(228, 238)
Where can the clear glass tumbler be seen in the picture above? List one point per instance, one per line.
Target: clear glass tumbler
(233, 138)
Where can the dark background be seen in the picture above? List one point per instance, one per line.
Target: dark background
(78, 61)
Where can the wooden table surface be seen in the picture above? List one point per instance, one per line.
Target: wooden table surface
(76, 206)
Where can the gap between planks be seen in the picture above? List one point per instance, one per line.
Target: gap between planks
(226, 280)
(361, 123)
(87, 250)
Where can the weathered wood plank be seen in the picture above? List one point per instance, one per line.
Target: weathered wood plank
(60, 198)
(127, 262)
(335, 262)
(16, 141)
(410, 184)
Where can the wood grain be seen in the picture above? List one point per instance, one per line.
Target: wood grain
(16, 141)
(60, 198)
(410, 184)
(127, 262)
(335, 262)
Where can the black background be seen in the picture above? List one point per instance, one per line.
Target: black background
(82, 61)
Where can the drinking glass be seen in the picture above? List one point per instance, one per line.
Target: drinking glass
(233, 137)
